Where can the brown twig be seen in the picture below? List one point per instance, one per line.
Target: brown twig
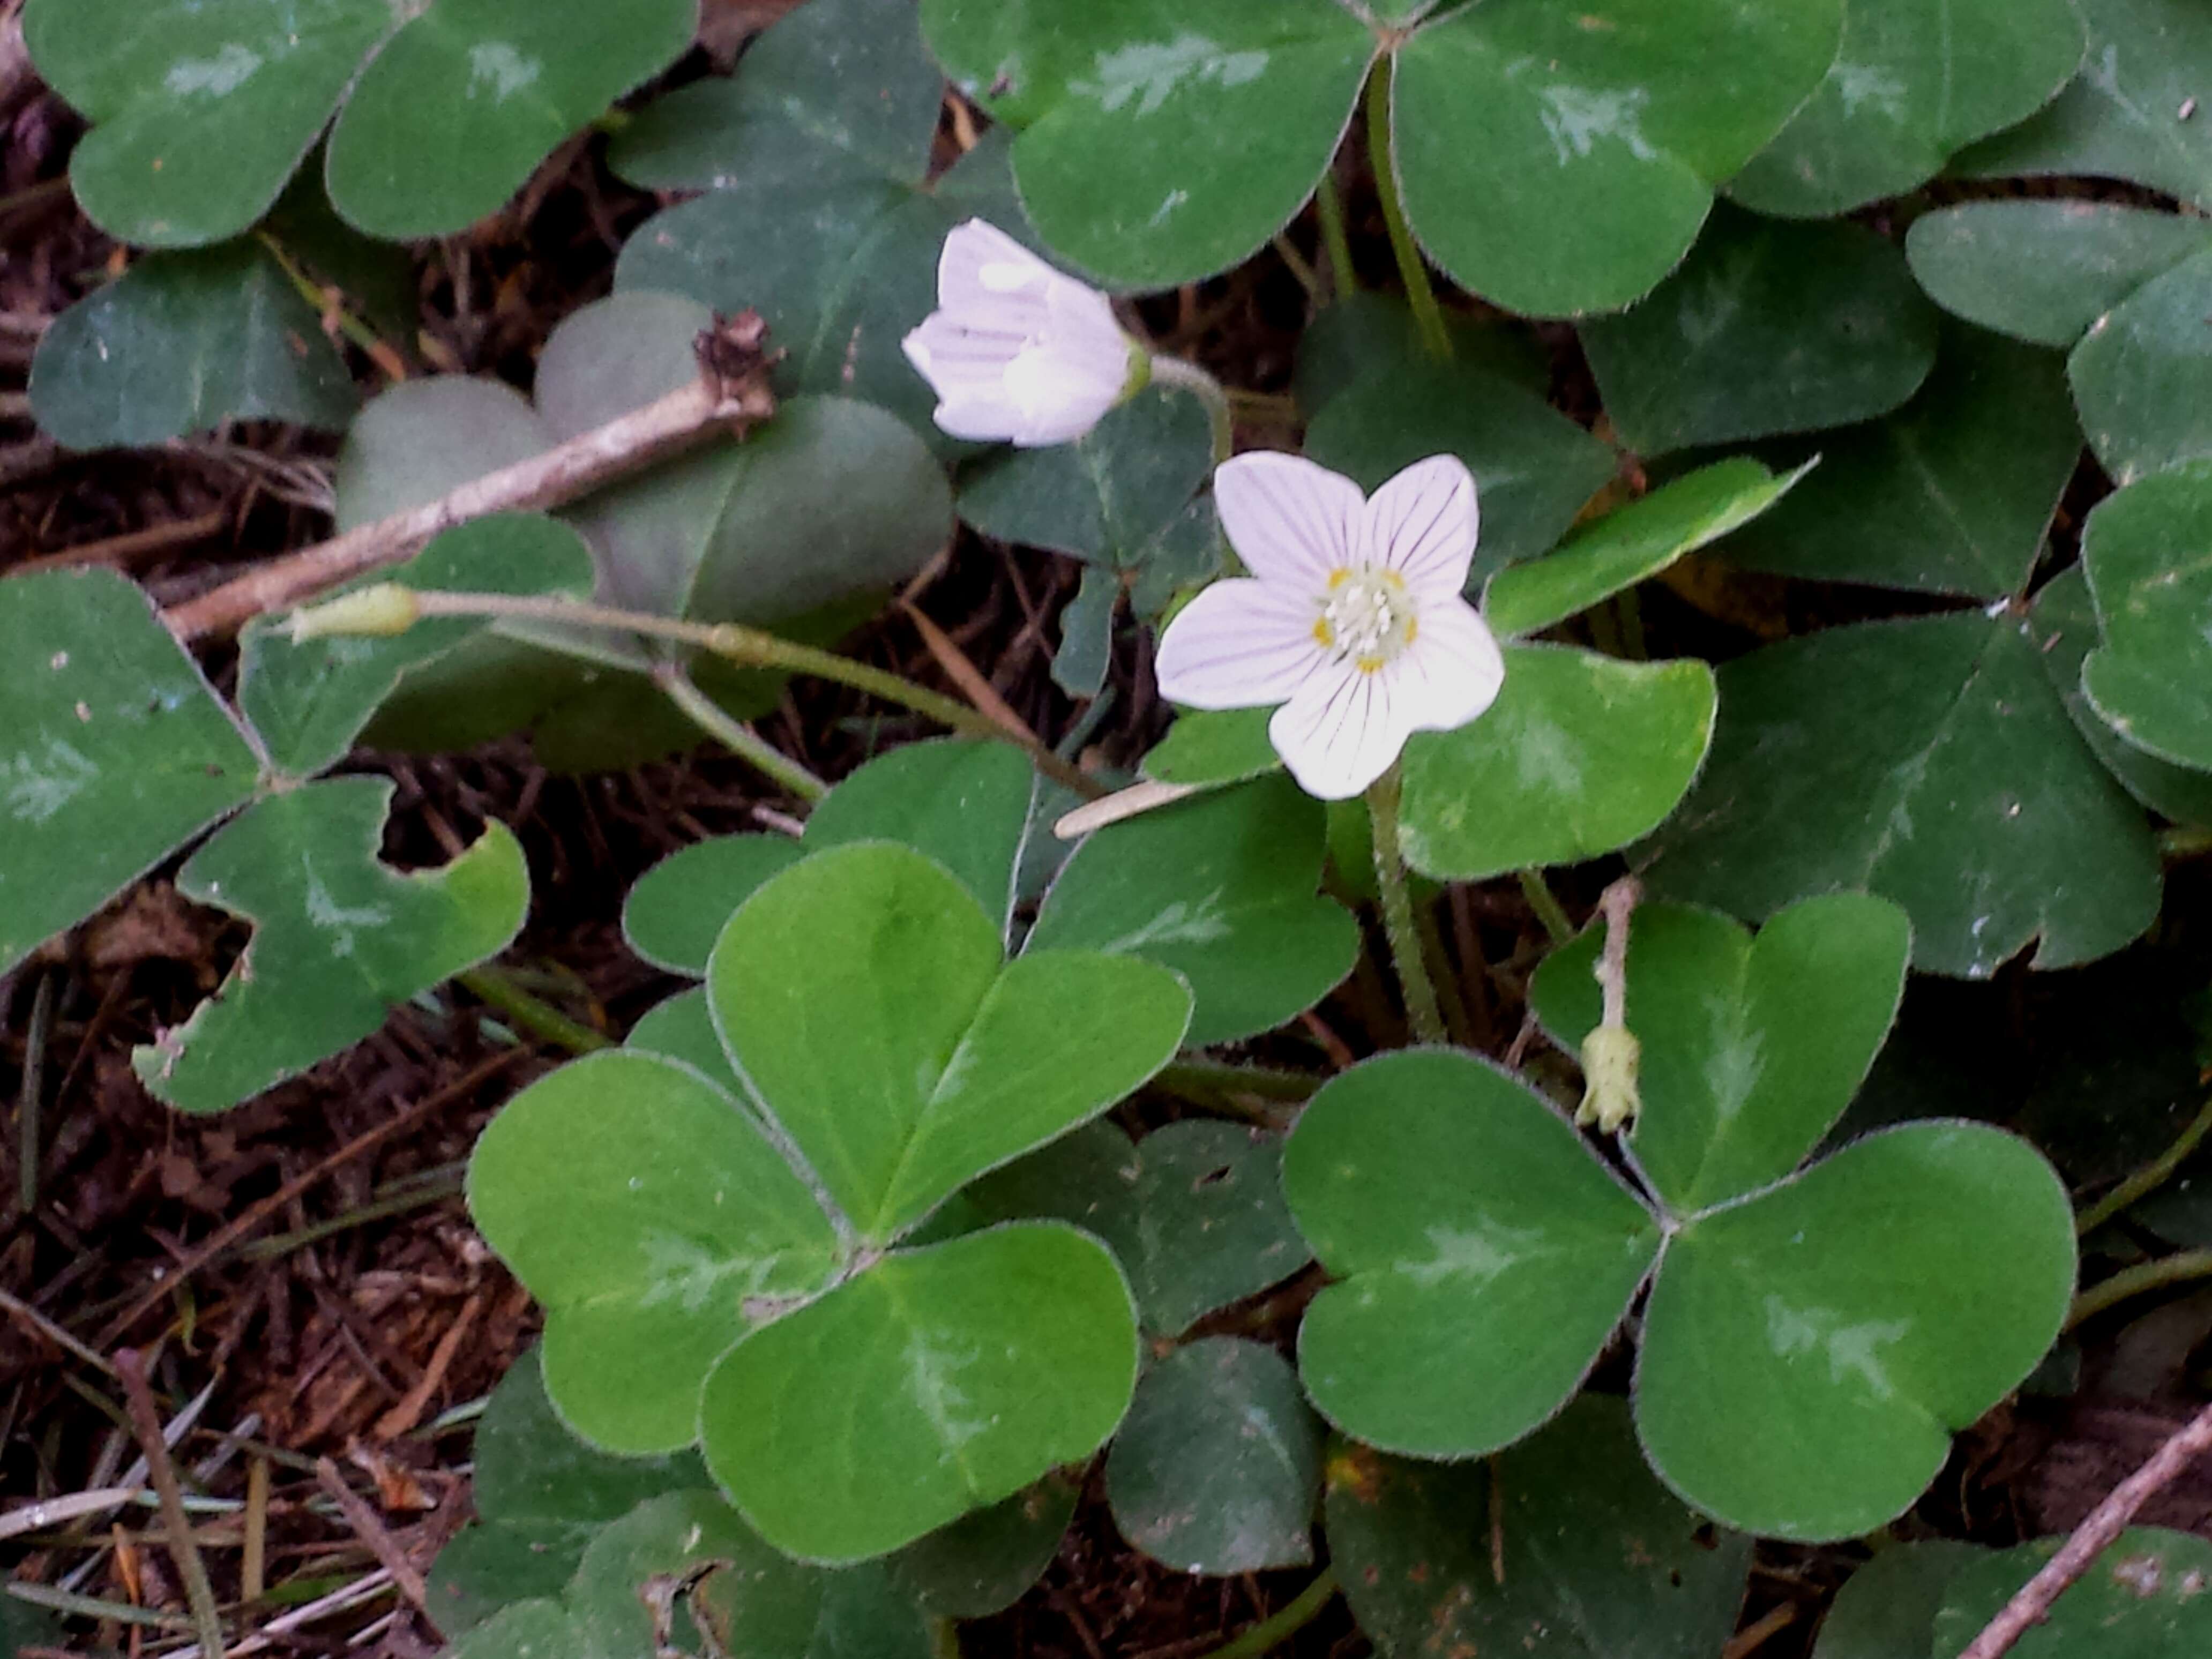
(717, 401)
(372, 1531)
(146, 1423)
(1617, 903)
(408, 1412)
(2032, 1603)
(126, 549)
(235, 1229)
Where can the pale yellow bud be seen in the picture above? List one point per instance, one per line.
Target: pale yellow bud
(1610, 1057)
(378, 612)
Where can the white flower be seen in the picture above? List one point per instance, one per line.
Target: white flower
(1351, 618)
(1016, 351)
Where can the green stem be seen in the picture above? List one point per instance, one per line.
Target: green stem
(1428, 316)
(1546, 904)
(2184, 842)
(2149, 1179)
(1177, 372)
(354, 328)
(1279, 1627)
(1328, 206)
(2180, 1268)
(1213, 1079)
(749, 648)
(489, 985)
(1421, 1010)
(737, 737)
(417, 1197)
(1296, 264)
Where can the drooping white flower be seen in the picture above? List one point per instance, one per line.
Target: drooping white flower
(1017, 350)
(1352, 619)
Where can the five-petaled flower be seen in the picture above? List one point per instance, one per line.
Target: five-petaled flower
(1015, 350)
(1352, 619)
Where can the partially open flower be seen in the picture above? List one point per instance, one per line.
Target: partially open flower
(1016, 351)
(1352, 619)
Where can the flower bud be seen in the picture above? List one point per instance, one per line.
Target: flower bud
(379, 613)
(1610, 1100)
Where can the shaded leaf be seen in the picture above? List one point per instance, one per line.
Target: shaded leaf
(1954, 494)
(1950, 779)
(2143, 375)
(653, 1235)
(113, 751)
(1580, 755)
(1533, 468)
(1195, 1212)
(1217, 1469)
(182, 342)
(338, 938)
(937, 1381)
(986, 1561)
(1887, 1609)
(1362, 334)
(2145, 552)
(1769, 326)
(1599, 1560)
(2143, 1598)
(682, 1028)
(1221, 889)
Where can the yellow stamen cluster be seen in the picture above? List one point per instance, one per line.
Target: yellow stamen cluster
(1368, 616)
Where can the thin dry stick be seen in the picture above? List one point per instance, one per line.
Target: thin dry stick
(2032, 1603)
(369, 1526)
(715, 402)
(127, 549)
(408, 1412)
(231, 1230)
(146, 1423)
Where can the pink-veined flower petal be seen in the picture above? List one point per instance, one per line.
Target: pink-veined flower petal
(1451, 672)
(1240, 644)
(1338, 732)
(1422, 524)
(1289, 520)
(983, 272)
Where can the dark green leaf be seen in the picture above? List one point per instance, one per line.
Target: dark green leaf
(2143, 1598)
(2143, 376)
(1218, 1469)
(2145, 551)
(986, 1561)
(1768, 327)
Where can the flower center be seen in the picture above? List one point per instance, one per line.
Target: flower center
(1367, 618)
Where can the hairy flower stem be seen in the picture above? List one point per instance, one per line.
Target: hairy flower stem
(749, 648)
(1546, 905)
(1428, 316)
(1421, 1009)
(1279, 1627)
(1176, 371)
(736, 736)
(1328, 206)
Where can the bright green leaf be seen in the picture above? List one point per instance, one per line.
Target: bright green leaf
(2129, 114)
(1954, 494)
(939, 1380)
(677, 909)
(1195, 1212)
(1218, 1469)
(1205, 747)
(1533, 468)
(1751, 1050)
(1482, 1257)
(309, 702)
(1580, 755)
(1929, 761)
(1912, 83)
(113, 751)
(182, 343)
(655, 1222)
(2065, 624)
(1220, 889)
(2045, 271)
(338, 938)
(862, 993)
(682, 1028)
(1769, 326)
(2144, 1597)
(1559, 160)
(1639, 540)
(1808, 1318)
(1153, 152)
(2148, 551)
(1597, 1556)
